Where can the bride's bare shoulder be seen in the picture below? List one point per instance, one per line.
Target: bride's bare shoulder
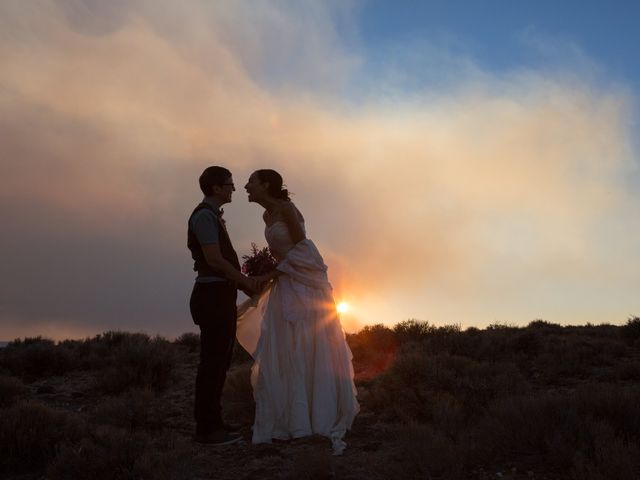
(289, 210)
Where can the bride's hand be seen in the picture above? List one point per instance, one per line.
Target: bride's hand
(251, 286)
(263, 279)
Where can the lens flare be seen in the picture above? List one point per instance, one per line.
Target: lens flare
(342, 307)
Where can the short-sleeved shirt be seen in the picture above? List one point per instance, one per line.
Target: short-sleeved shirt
(205, 226)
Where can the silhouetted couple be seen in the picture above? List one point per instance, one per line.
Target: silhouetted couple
(302, 376)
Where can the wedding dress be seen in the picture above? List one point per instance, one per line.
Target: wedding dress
(302, 376)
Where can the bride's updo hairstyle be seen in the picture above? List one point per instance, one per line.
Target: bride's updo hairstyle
(274, 179)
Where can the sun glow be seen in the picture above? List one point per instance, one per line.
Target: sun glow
(342, 307)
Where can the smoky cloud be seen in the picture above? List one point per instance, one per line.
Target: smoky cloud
(497, 197)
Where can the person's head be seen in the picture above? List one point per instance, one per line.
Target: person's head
(217, 182)
(266, 182)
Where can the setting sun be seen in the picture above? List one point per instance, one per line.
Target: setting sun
(342, 307)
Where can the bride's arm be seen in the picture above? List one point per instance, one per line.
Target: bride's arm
(291, 217)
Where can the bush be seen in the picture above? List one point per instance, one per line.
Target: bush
(35, 357)
(136, 409)
(189, 340)
(445, 388)
(592, 430)
(11, 389)
(412, 330)
(374, 348)
(113, 453)
(631, 330)
(136, 361)
(544, 325)
(30, 434)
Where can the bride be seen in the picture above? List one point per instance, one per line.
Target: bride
(302, 375)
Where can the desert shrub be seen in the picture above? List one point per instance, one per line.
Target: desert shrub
(115, 338)
(529, 342)
(11, 389)
(136, 409)
(627, 370)
(87, 354)
(544, 325)
(424, 387)
(35, 357)
(31, 432)
(602, 331)
(376, 337)
(593, 431)
(93, 353)
(166, 457)
(604, 454)
(101, 350)
(631, 330)
(569, 357)
(447, 339)
(374, 348)
(189, 340)
(115, 453)
(412, 330)
(503, 326)
(136, 361)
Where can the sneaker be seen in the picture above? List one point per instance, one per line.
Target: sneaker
(218, 437)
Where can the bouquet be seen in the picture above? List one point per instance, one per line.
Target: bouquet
(260, 262)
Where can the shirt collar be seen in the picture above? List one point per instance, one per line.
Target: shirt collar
(214, 204)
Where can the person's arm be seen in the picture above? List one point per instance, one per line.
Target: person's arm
(291, 217)
(206, 229)
(215, 260)
(267, 277)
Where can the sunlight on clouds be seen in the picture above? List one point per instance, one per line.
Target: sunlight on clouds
(434, 205)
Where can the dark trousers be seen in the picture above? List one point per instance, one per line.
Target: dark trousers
(213, 308)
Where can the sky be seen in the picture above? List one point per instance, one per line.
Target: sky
(459, 162)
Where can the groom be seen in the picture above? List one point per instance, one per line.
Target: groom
(213, 302)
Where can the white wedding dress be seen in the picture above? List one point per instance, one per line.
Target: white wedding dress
(302, 375)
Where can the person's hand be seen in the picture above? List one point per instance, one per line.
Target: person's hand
(263, 280)
(246, 291)
(250, 286)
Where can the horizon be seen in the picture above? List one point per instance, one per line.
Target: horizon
(533, 324)
(455, 163)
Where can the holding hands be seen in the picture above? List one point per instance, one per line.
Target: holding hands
(254, 285)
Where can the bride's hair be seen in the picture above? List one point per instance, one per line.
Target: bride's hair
(274, 179)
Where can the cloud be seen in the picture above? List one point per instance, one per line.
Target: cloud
(478, 201)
